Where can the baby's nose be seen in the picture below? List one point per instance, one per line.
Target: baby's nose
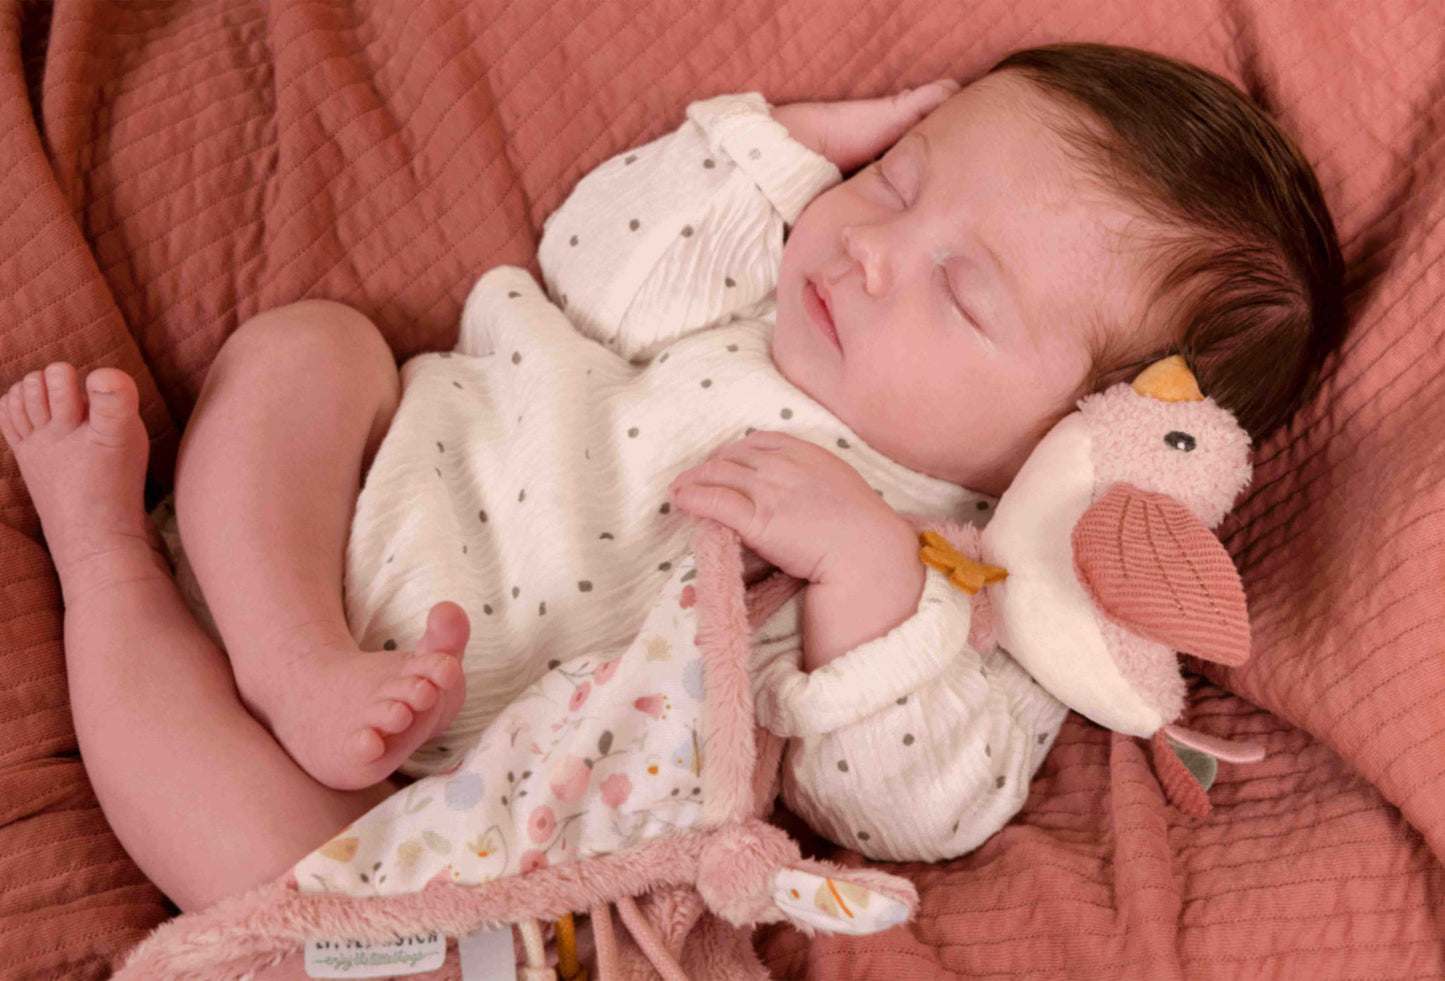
(866, 247)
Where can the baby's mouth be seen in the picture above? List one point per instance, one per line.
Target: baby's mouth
(817, 309)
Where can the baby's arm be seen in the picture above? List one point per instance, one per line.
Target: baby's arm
(682, 233)
(687, 231)
(910, 747)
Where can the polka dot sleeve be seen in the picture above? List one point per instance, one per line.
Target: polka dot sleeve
(683, 233)
(932, 775)
(910, 747)
(872, 675)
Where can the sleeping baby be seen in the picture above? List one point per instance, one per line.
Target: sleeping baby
(725, 328)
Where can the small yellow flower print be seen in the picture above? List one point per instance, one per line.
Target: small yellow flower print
(409, 852)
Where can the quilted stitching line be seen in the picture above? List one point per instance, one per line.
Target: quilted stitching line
(447, 208)
(380, 225)
(114, 153)
(127, 52)
(987, 31)
(704, 85)
(146, 286)
(1316, 917)
(179, 343)
(165, 81)
(79, 939)
(818, 958)
(1260, 536)
(1347, 643)
(131, 248)
(1080, 898)
(314, 109)
(1046, 934)
(431, 311)
(1217, 958)
(1229, 830)
(1286, 859)
(1269, 619)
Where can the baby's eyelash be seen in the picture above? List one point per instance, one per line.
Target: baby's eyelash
(877, 169)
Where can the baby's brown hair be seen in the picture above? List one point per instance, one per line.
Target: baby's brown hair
(1252, 276)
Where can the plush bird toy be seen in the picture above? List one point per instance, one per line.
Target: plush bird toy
(1112, 567)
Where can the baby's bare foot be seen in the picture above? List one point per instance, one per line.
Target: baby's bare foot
(350, 717)
(82, 454)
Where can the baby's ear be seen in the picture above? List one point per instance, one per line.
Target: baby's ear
(849, 901)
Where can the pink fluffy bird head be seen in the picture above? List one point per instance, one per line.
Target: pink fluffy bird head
(1192, 450)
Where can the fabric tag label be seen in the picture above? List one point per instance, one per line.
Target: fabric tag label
(488, 955)
(354, 959)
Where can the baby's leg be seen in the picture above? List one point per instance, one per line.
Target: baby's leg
(270, 464)
(200, 795)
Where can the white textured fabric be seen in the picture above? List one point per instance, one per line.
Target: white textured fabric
(525, 475)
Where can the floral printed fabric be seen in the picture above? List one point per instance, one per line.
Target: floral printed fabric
(600, 754)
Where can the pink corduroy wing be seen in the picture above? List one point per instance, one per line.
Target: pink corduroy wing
(1153, 567)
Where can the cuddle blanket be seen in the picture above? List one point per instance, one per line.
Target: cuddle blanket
(612, 777)
(172, 168)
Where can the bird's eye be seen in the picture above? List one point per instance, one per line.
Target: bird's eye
(1180, 441)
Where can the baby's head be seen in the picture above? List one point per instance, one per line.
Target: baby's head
(1076, 213)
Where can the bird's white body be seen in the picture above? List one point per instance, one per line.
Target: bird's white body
(1045, 619)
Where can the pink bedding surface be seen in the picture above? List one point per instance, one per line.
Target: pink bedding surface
(174, 168)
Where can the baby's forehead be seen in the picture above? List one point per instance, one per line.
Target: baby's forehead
(1045, 145)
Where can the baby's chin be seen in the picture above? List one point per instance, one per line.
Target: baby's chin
(791, 358)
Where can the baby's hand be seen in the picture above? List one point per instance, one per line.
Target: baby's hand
(795, 504)
(852, 133)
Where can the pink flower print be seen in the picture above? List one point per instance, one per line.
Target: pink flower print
(689, 596)
(653, 705)
(569, 778)
(533, 860)
(541, 824)
(579, 695)
(606, 670)
(616, 789)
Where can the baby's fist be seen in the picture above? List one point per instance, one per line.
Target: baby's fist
(795, 504)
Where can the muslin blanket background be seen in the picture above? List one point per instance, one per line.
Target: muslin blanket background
(171, 169)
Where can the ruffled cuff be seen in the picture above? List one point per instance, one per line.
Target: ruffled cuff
(873, 675)
(788, 173)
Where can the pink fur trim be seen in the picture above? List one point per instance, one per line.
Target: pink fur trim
(735, 871)
(647, 938)
(725, 639)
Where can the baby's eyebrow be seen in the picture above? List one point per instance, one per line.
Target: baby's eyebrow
(1000, 271)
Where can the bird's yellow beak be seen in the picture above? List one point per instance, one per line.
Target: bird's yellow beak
(1169, 380)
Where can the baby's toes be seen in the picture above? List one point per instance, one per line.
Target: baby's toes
(365, 745)
(114, 402)
(388, 716)
(15, 409)
(36, 402)
(442, 670)
(7, 427)
(417, 693)
(67, 406)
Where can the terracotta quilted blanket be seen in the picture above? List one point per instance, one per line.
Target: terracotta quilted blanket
(171, 168)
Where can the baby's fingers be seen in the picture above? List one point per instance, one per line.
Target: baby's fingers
(725, 505)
